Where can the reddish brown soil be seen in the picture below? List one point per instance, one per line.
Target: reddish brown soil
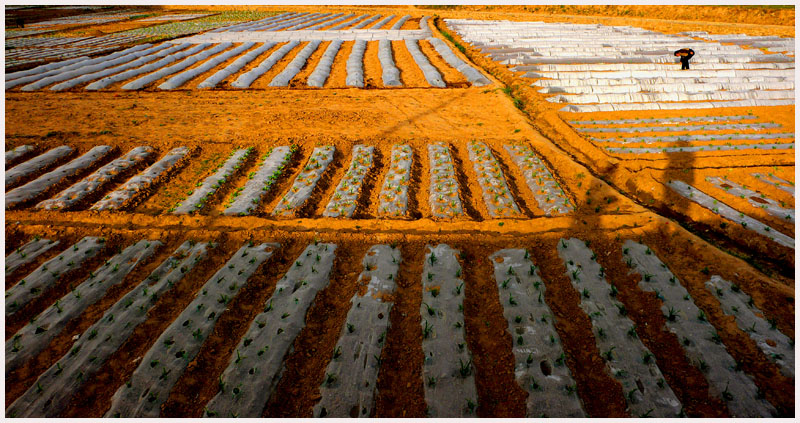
(616, 199)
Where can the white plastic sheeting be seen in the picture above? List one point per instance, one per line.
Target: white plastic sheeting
(169, 70)
(42, 161)
(183, 77)
(234, 67)
(150, 67)
(92, 65)
(627, 68)
(390, 74)
(473, 75)
(293, 68)
(23, 77)
(159, 51)
(323, 69)
(610, 107)
(355, 65)
(94, 182)
(431, 74)
(43, 183)
(122, 195)
(247, 78)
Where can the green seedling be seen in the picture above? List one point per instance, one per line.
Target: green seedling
(464, 368)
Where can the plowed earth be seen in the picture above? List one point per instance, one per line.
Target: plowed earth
(612, 198)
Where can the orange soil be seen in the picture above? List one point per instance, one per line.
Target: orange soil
(670, 19)
(611, 196)
(410, 74)
(624, 173)
(373, 73)
(451, 76)
(300, 79)
(338, 75)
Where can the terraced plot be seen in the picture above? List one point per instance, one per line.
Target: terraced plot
(208, 57)
(243, 233)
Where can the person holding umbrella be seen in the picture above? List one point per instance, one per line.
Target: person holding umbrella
(685, 54)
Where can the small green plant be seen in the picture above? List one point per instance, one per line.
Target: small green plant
(426, 331)
(330, 379)
(672, 314)
(561, 359)
(464, 369)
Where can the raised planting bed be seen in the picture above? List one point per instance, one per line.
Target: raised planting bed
(144, 180)
(776, 182)
(73, 195)
(115, 66)
(34, 188)
(697, 137)
(664, 121)
(431, 74)
(549, 195)
(626, 358)
(394, 193)
(355, 65)
(235, 66)
(183, 77)
(685, 128)
(28, 253)
(754, 198)
(496, 195)
(244, 200)
(344, 200)
(448, 374)
(257, 364)
(176, 52)
(293, 68)
(444, 199)
(363, 24)
(22, 77)
(198, 197)
(719, 208)
(695, 149)
(390, 73)
(246, 79)
(51, 393)
(47, 275)
(778, 347)
(164, 363)
(474, 76)
(382, 22)
(697, 336)
(36, 164)
(18, 152)
(351, 376)
(305, 182)
(169, 70)
(80, 68)
(539, 366)
(37, 334)
(320, 74)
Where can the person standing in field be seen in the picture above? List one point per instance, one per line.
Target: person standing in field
(685, 54)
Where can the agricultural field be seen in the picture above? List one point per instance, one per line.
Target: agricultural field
(397, 211)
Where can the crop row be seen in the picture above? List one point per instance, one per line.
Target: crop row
(350, 382)
(446, 193)
(179, 62)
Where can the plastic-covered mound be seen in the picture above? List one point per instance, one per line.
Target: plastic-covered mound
(627, 61)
